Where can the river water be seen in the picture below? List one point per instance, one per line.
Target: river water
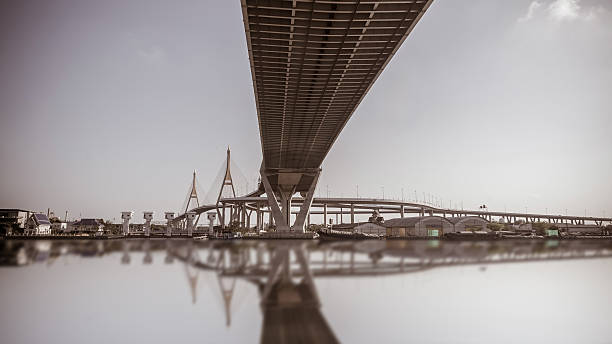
(249, 291)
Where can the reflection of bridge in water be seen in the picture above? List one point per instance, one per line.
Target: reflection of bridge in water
(284, 272)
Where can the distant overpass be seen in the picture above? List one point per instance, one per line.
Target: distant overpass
(311, 64)
(351, 206)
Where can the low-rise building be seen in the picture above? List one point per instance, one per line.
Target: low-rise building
(13, 219)
(87, 226)
(370, 228)
(469, 223)
(581, 229)
(422, 226)
(38, 224)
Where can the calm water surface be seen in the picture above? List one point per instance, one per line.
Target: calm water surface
(164, 291)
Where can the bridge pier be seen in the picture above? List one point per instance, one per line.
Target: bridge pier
(258, 213)
(148, 216)
(325, 215)
(170, 223)
(248, 218)
(223, 213)
(190, 217)
(287, 183)
(211, 222)
(126, 216)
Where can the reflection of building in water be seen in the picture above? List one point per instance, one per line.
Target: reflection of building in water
(148, 258)
(125, 258)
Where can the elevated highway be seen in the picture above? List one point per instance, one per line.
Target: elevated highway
(311, 64)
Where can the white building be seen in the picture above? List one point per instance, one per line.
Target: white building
(38, 224)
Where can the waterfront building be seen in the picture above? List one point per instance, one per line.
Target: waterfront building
(59, 226)
(525, 227)
(469, 223)
(370, 228)
(38, 224)
(581, 229)
(11, 219)
(434, 226)
(87, 226)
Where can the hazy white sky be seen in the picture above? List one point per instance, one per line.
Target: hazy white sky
(109, 106)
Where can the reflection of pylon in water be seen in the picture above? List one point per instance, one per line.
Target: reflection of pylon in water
(193, 284)
(227, 293)
(227, 182)
(192, 276)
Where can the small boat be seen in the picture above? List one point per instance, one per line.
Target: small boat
(201, 237)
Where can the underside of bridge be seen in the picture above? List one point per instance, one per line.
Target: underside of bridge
(312, 62)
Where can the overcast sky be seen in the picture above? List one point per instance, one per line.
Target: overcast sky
(110, 105)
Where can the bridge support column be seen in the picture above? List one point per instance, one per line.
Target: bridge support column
(170, 223)
(148, 216)
(126, 216)
(353, 213)
(325, 215)
(287, 182)
(223, 213)
(190, 217)
(401, 210)
(212, 215)
(286, 205)
(258, 214)
(248, 219)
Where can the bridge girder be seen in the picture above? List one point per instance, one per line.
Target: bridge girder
(312, 63)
